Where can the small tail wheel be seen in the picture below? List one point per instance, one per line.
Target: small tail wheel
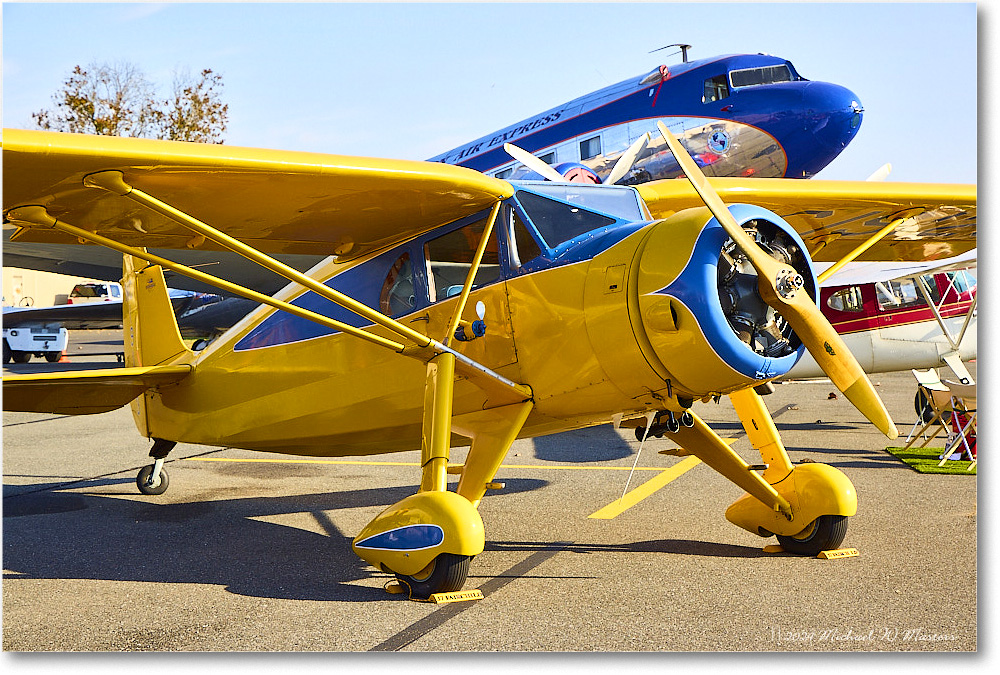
(445, 574)
(142, 481)
(823, 534)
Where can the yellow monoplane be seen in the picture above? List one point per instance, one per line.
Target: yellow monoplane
(458, 309)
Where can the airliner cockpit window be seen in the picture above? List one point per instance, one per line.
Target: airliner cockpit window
(755, 76)
(716, 89)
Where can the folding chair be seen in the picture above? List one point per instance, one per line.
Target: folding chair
(937, 401)
(963, 424)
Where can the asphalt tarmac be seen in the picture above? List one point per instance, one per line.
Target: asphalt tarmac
(251, 551)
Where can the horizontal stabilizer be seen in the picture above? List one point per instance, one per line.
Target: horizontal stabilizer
(84, 392)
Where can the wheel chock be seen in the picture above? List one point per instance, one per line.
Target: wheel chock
(838, 553)
(773, 548)
(456, 596)
(395, 588)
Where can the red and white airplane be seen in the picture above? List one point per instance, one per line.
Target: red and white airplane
(902, 316)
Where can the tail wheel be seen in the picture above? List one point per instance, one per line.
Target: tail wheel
(823, 534)
(445, 574)
(142, 481)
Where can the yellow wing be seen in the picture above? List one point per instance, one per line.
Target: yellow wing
(278, 202)
(834, 217)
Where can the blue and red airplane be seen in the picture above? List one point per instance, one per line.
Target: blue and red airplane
(742, 115)
(747, 115)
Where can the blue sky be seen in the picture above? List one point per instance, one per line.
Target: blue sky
(412, 80)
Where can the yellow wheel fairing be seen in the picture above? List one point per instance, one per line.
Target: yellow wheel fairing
(407, 536)
(813, 490)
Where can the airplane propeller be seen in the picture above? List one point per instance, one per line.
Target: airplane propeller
(533, 163)
(627, 159)
(618, 171)
(880, 173)
(780, 287)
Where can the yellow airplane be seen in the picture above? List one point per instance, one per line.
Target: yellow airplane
(456, 309)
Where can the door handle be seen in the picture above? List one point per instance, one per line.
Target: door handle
(425, 317)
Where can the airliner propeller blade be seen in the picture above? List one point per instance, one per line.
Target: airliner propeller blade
(533, 163)
(627, 159)
(781, 287)
(880, 174)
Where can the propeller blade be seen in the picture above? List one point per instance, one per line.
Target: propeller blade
(780, 287)
(880, 174)
(533, 163)
(627, 159)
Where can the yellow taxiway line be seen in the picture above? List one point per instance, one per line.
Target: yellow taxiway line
(610, 511)
(639, 493)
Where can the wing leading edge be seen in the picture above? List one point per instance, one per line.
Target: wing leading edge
(834, 217)
(278, 202)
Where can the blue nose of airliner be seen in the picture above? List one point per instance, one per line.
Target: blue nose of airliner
(833, 112)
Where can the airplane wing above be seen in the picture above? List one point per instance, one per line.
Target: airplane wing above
(834, 217)
(868, 272)
(278, 202)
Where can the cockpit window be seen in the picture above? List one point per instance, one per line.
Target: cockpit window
(716, 89)
(558, 222)
(755, 76)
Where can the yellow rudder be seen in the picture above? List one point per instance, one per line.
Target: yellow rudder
(150, 327)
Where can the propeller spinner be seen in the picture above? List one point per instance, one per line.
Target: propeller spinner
(781, 287)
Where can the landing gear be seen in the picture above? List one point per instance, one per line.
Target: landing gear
(153, 479)
(446, 573)
(826, 533)
(150, 485)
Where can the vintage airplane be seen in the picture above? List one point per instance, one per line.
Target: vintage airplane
(739, 115)
(746, 115)
(896, 317)
(460, 309)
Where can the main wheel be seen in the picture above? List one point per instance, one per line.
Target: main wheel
(143, 477)
(447, 573)
(20, 357)
(823, 534)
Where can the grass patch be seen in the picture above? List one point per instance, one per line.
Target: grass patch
(925, 460)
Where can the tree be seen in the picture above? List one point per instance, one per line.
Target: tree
(118, 100)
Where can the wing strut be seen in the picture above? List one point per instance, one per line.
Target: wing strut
(490, 381)
(874, 239)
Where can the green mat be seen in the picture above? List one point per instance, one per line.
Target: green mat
(925, 460)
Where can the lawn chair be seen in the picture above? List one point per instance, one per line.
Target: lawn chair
(962, 434)
(933, 403)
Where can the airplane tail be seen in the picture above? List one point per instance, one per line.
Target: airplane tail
(150, 328)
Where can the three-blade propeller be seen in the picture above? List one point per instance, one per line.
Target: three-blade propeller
(781, 287)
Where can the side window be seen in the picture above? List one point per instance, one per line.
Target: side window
(524, 248)
(449, 258)
(716, 89)
(590, 148)
(846, 300)
(397, 296)
(898, 294)
(548, 158)
(932, 286)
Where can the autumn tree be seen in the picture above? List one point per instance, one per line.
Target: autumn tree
(118, 100)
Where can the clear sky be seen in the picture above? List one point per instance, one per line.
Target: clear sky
(412, 80)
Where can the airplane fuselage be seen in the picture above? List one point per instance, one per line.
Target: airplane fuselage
(738, 115)
(889, 326)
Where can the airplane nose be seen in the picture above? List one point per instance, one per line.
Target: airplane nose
(835, 113)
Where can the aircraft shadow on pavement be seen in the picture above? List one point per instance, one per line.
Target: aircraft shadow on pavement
(593, 444)
(75, 535)
(675, 546)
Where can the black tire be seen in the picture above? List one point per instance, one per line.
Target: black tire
(826, 533)
(143, 476)
(446, 574)
(7, 353)
(53, 357)
(20, 357)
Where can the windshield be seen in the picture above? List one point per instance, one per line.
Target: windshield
(558, 222)
(618, 201)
